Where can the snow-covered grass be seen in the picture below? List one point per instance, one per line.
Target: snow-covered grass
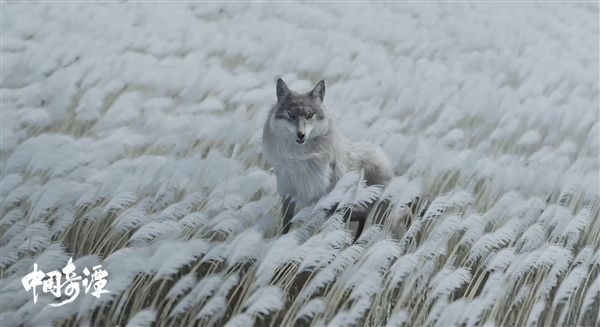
(131, 139)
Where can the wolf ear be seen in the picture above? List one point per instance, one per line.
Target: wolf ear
(282, 90)
(318, 91)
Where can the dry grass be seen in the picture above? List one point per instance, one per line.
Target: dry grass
(131, 161)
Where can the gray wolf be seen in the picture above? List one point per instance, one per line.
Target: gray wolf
(308, 155)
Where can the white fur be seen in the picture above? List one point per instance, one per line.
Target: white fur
(306, 172)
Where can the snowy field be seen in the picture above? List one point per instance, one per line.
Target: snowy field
(131, 139)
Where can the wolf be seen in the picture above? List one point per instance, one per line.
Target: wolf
(308, 155)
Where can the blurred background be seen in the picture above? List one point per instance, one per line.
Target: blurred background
(130, 126)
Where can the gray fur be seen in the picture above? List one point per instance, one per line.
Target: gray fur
(307, 171)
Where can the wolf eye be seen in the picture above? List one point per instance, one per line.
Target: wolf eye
(310, 115)
(291, 114)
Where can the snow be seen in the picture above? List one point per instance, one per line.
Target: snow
(136, 127)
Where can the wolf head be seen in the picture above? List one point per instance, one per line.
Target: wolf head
(300, 116)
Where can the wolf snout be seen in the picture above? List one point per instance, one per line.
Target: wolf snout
(301, 136)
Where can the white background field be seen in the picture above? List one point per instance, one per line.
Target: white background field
(131, 138)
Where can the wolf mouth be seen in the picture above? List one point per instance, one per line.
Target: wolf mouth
(300, 141)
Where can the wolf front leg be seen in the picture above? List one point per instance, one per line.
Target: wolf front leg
(287, 212)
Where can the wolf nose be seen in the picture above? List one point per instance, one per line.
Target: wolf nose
(300, 135)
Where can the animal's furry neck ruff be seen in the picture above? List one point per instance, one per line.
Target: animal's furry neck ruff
(304, 172)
